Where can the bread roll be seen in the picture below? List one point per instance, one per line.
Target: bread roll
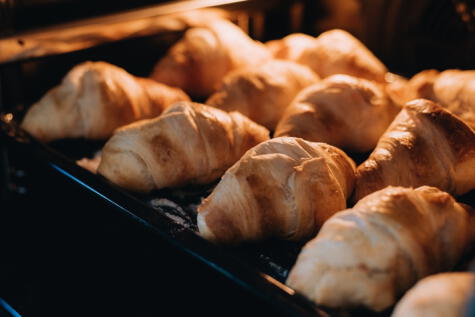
(439, 295)
(262, 92)
(188, 144)
(344, 111)
(93, 100)
(199, 61)
(368, 256)
(284, 188)
(424, 145)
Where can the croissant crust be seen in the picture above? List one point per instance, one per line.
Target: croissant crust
(93, 100)
(284, 187)
(344, 111)
(189, 143)
(439, 295)
(425, 145)
(371, 254)
(263, 92)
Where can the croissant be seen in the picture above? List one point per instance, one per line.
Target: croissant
(338, 52)
(439, 295)
(371, 254)
(93, 100)
(284, 187)
(188, 144)
(344, 111)
(291, 47)
(424, 145)
(452, 89)
(419, 86)
(263, 92)
(199, 61)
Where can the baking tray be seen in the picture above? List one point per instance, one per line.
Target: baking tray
(260, 268)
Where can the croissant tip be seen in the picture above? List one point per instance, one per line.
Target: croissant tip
(203, 229)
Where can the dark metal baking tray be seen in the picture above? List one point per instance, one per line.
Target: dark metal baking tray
(261, 268)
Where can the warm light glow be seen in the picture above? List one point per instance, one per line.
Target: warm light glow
(8, 117)
(158, 10)
(86, 33)
(279, 284)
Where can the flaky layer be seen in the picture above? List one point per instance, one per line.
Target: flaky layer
(263, 92)
(344, 111)
(452, 89)
(338, 52)
(424, 145)
(93, 100)
(199, 61)
(285, 187)
(371, 254)
(188, 143)
(439, 295)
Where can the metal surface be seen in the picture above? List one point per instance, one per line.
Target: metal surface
(89, 32)
(260, 268)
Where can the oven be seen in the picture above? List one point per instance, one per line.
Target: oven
(143, 250)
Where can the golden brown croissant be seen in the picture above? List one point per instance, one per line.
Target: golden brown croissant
(262, 92)
(371, 254)
(199, 61)
(419, 86)
(93, 100)
(188, 143)
(452, 89)
(424, 145)
(439, 295)
(344, 111)
(338, 52)
(455, 91)
(285, 188)
(291, 47)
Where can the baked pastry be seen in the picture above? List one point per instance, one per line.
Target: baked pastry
(341, 110)
(93, 100)
(338, 52)
(262, 92)
(368, 256)
(419, 86)
(452, 89)
(91, 164)
(424, 145)
(455, 91)
(291, 47)
(199, 61)
(439, 295)
(284, 188)
(188, 144)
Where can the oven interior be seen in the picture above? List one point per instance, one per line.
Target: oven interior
(407, 36)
